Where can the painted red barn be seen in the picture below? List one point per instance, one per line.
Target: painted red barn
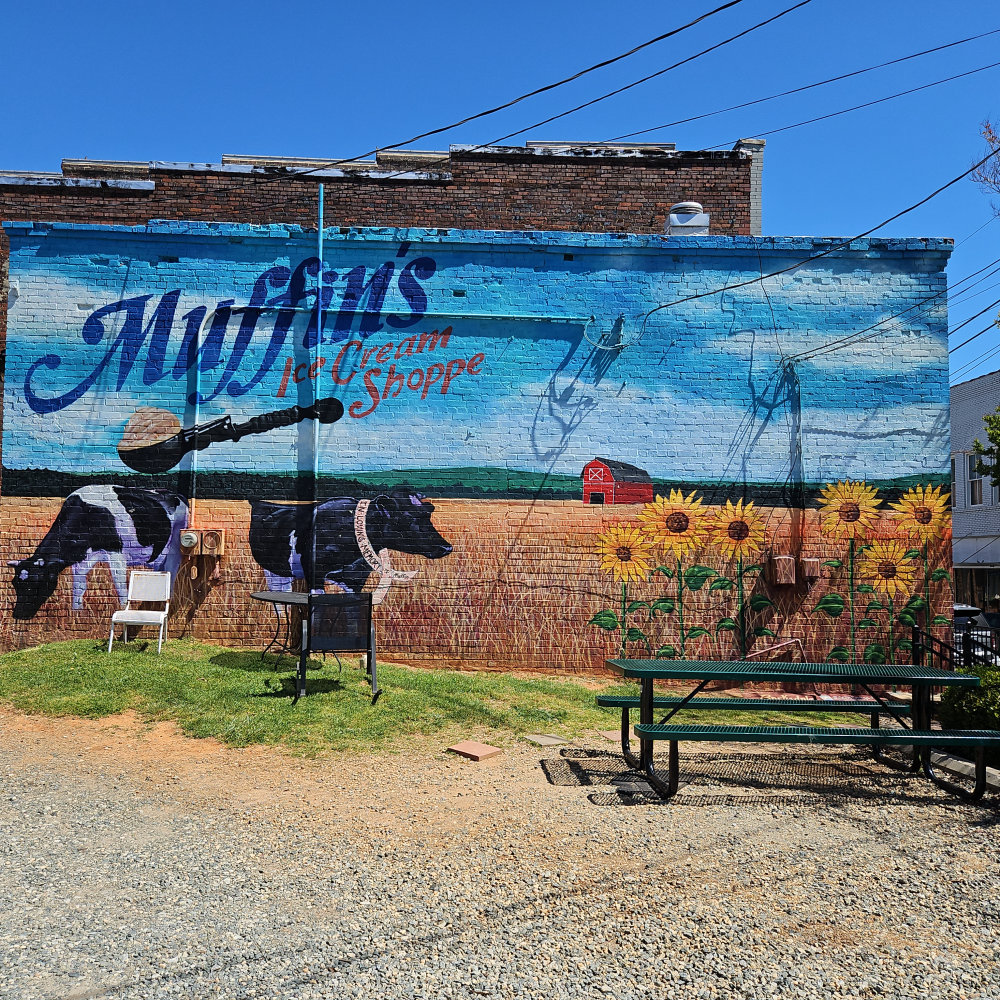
(605, 481)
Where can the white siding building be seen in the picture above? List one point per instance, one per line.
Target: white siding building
(975, 499)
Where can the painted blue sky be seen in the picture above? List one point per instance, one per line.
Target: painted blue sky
(196, 80)
(703, 387)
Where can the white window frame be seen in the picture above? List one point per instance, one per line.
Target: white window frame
(975, 481)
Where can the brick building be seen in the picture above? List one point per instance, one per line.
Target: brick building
(485, 326)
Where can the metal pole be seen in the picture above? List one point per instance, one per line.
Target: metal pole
(316, 382)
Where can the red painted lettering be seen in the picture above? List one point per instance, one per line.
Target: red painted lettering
(431, 340)
(393, 378)
(355, 409)
(356, 344)
(284, 379)
(474, 362)
(454, 369)
(434, 375)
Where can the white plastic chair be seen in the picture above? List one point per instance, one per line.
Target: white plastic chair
(144, 586)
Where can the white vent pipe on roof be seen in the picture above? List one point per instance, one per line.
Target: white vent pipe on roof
(687, 218)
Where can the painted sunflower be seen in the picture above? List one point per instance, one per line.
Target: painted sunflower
(738, 529)
(624, 553)
(849, 509)
(677, 522)
(925, 512)
(884, 565)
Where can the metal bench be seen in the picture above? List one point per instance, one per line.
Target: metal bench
(873, 708)
(974, 741)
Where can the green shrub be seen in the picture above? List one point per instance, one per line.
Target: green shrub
(975, 708)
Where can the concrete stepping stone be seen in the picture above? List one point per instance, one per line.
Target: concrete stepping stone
(545, 739)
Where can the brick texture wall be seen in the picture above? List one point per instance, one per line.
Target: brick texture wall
(552, 359)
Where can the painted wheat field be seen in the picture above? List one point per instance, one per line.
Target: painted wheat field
(525, 587)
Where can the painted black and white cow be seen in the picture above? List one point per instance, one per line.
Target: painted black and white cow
(118, 525)
(350, 537)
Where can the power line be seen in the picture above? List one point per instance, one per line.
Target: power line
(829, 250)
(951, 332)
(989, 353)
(517, 100)
(867, 104)
(652, 76)
(809, 86)
(635, 83)
(858, 337)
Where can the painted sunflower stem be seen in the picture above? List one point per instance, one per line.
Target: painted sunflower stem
(741, 612)
(680, 604)
(624, 606)
(892, 619)
(927, 589)
(850, 582)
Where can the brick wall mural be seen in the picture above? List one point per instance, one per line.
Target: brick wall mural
(496, 432)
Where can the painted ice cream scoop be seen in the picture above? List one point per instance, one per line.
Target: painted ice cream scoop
(154, 441)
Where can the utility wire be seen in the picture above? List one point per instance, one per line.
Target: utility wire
(523, 97)
(651, 76)
(970, 365)
(858, 337)
(808, 86)
(955, 330)
(829, 250)
(867, 104)
(635, 83)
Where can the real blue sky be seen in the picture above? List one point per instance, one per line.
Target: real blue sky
(191, 81)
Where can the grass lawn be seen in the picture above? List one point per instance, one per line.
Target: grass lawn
(234, 696)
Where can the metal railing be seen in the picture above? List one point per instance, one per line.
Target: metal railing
(971, 647)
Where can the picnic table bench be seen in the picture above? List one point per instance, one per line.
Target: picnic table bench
(918, 735)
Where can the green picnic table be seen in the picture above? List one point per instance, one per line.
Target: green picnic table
(916, 733)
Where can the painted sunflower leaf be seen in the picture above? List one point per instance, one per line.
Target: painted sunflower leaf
(664, 571)
(662, 604)
(833, 563)
(695, 577)
(865, 588)
(636, 635)
(723, 583)
(874, 606)
(867, 623)
(916, 602)
(906, 617)
(875, 653)
(759, 602)
(838, 654)
(832, 604)
(904, 644)
(726, 623)
(666, 653)
(606, 620)
(635, 605)
(912, 554)
(940, 620)
(753, 568)
(698, 632)
(940, 574)
(762, 632)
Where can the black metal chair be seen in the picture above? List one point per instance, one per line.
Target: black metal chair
(338, 623)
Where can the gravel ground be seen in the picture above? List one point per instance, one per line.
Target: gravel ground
(138, 864)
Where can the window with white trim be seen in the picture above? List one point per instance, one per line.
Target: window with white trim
(975, 482)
